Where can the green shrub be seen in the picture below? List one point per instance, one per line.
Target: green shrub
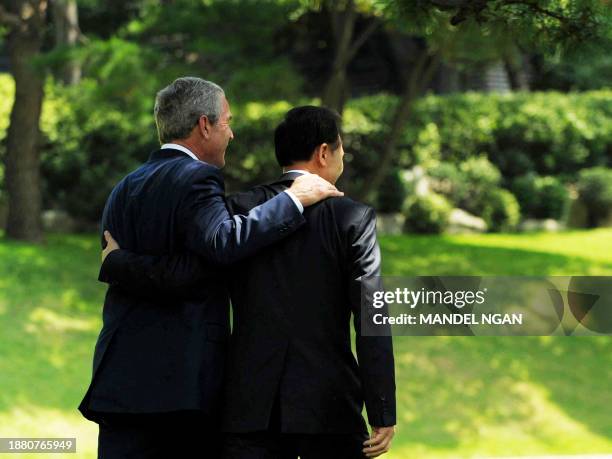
(548, 133)
(595, 191)
(447, 180)
(427, 214)
(467, 184)
(89, 146)
(540, 197)
(480, 177)
(501, 210)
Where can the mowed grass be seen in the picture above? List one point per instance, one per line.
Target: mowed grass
(50, 305)
(457, 396)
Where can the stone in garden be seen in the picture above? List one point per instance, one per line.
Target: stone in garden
(548, 224)
(461, 221)
(392, 224)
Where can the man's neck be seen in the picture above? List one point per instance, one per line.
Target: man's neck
(298, 167)
(189, 146)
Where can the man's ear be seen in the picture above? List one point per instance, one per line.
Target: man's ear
(204, 126)
(322, 153)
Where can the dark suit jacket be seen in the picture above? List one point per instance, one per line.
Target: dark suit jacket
(159, 354)
(291, 332)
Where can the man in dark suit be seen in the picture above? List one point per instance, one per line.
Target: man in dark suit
(294, 387)
(159, 362)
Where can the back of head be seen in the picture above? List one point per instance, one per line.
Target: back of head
(302, 130)
(179, 106)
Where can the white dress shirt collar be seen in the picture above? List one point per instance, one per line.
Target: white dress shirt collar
(176, 146)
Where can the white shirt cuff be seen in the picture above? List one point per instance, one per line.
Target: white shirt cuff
(296, 201)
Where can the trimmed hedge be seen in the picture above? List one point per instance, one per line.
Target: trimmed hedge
(547, 133)
(91, 139)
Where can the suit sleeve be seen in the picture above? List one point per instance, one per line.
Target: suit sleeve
(374, 353)
(219, 237)
(179, 275)
(176, 275)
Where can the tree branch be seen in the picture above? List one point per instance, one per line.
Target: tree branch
(446, 4)
(9, 19)
(467, 8)
(538, 9)
(358, 43)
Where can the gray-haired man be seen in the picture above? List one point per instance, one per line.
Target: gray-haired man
(159, 363)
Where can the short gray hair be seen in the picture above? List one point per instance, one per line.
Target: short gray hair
(179, 106)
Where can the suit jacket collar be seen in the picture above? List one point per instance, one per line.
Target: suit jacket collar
(167, 153)
(289, 176)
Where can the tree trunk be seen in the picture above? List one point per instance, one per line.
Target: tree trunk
(343, 25)
(22, 172)
(343, 22)
(416, 81)
(517, 76)
(334, 93)
(67, 33)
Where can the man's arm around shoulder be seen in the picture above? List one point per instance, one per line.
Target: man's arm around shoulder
(213, 233)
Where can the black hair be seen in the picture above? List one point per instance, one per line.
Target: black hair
(302, 130)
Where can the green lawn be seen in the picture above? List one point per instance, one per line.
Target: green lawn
(458, 396)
